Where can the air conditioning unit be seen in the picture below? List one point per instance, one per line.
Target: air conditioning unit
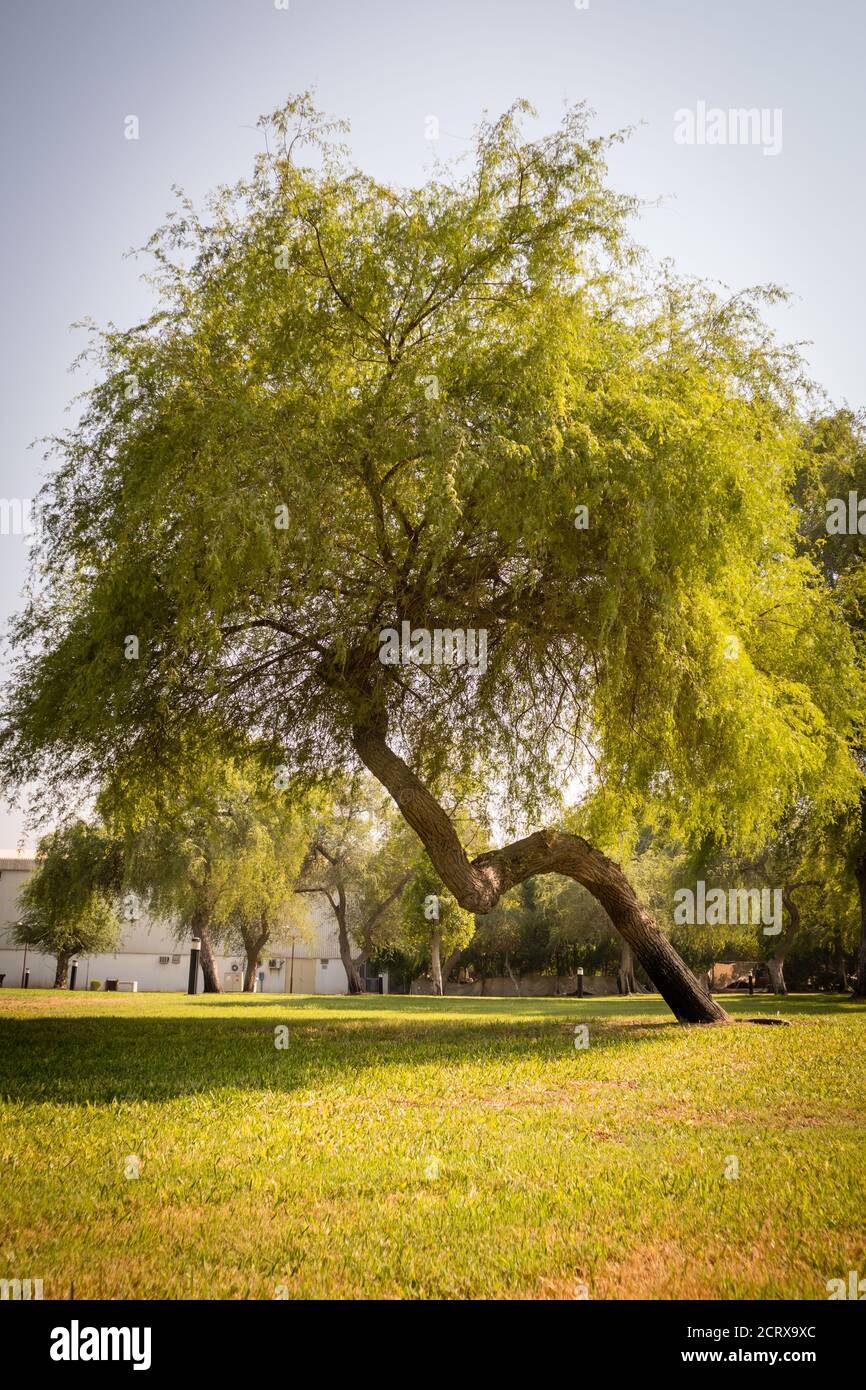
(163, 960)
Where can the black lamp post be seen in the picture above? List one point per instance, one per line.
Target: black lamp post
(194, 948)
(580, 982)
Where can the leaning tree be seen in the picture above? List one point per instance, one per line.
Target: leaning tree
(473, 409)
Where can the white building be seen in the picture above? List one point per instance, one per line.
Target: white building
(151, 955)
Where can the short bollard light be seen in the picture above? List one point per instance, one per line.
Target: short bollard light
(194, 949)
(580, 982)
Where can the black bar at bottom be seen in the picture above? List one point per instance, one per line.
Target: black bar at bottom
(153, 1337)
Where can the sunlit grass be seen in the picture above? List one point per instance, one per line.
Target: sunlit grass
(426, 1148)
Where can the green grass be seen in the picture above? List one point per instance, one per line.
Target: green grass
(428, 1148)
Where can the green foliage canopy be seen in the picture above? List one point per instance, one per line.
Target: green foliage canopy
(359, 404)
(68, 906)
(218, 844)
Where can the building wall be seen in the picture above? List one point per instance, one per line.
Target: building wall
(317, 966)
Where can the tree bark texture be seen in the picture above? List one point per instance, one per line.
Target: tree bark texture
(478, 884)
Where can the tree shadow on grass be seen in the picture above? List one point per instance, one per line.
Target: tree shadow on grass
(212, 1043)
(371, 1009)
(844, 1005)
(614, 1007)
(104, 1059)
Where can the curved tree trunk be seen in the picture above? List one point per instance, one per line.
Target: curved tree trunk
(61, 974)
(254, 944)
(512, 977)
(478, 884)
(209, 971)
(358, 963)
(354, 982)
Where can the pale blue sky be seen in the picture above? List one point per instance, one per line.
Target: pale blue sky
(197, 73)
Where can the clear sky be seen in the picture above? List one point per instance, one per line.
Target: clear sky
(78, 195)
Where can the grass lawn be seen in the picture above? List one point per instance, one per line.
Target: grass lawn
(426, 1148)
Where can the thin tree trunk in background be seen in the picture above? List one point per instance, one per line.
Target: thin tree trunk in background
(625, 979)
(448, 968)
(254, 944)
(478, 884)
(209, 971)
(61, 974)
(511, 975)
(860, 976)
(436, 961)
(354, 982)
(358, 963)
(776, 962)
(776, 968)
(351, 965)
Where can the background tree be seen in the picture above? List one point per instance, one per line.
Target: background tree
(218, 851)
(267, 839)
(802, 864)
(274, 919)
(581, 933)
(832, 475)
(68, 906)
(526, 933)
(361, 858)
(468, 406)
(436, 923)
